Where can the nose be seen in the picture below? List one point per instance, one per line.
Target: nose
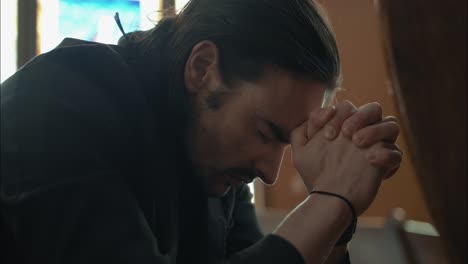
(268, 164)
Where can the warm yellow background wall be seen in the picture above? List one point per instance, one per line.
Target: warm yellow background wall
(365, 80)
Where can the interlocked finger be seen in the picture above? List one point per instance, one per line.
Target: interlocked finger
(367, 114)
(386, 156)
(318, 119)
(344, 110)
(386, 131)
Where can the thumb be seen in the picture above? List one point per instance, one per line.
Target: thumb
(299, 135)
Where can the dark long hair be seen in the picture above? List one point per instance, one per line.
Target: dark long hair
(292, 34)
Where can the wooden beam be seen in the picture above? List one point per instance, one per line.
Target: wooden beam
(426, 53)
(27, 35)
(167, 7)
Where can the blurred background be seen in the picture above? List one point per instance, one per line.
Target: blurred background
(411, 219)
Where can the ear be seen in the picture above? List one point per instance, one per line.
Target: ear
(201, 69)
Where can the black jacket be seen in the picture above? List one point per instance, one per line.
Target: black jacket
(90, 173)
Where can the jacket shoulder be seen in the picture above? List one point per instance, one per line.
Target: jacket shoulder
(64, 115)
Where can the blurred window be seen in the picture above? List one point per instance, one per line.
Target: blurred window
(91, 20)
(8, 37)
(179, 4)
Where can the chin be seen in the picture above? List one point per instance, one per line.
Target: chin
(218, 190)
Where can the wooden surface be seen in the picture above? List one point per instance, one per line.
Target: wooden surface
(27, 23)
(381, 240)
(426, 48)
(168, 7)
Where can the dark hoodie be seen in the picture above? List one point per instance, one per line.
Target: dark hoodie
(93, 172)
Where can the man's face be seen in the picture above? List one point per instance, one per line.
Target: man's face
(240, 133)
(245, 135)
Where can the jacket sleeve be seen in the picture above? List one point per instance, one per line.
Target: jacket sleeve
(246, 243)
(59, 196)
(92, 220)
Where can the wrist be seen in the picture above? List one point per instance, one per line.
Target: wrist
(333, 209)
(315, 225)
(348, 233)
(346, 208)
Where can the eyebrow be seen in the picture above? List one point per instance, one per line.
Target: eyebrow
(279, 133)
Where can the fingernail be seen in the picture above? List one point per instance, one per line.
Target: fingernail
(330, 132)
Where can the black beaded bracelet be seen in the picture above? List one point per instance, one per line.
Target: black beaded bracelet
(349, 232)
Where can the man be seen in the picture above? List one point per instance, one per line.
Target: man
(140, 153)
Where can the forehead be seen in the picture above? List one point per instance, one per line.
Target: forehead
(286, 99)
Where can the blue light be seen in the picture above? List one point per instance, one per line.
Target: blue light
(81, 18)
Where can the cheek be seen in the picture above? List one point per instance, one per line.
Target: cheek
(234, 143)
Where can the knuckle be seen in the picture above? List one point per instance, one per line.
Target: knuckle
(376, 104)
(335, 121)
(349, 121)
(346, 107)
(314, 117)
(349, 107)
(386, 157)
(353, 123)
(327, 115)
(396, 127)
(370, 133)
(341, 104)
(390, 119)
(391, 128)
(347, 125)
(361, 134)
(372, 109)
(320, 117)
(380, 145)
(377, 110)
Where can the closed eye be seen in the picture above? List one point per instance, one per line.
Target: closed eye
(278, 133)
(262, 136)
